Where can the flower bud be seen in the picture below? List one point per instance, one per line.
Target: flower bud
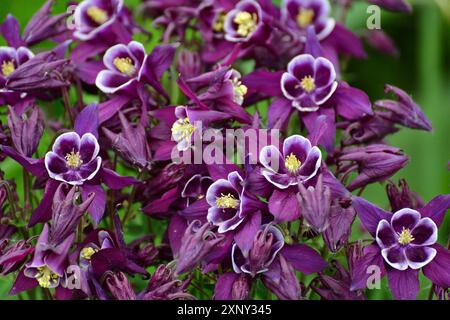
(339, 229)
(282, 280)
(120, 287)
(400, 197)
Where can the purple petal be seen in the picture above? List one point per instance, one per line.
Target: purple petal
(279, 113)
(395, 257)
(89, 170)
(425, 232)
(324, 73)
(405, 218)
(177, 227)
(89, 147)
(10, 30)
(404, 284)
(271, 158)
(303, 258)
(97, 207)
(35, 166)
(66, 143)
(437, 269)
(385, 236)
(224, 286)
(311, 165)
(111, 81)
(43, 212)
(360, 274)
(22, 283)
(436, 208)
(290, 86)
(55, 164)
(419, 256)
(301, 66)
(369, 214)
(217, 188)
(297, 145)
(352, 103)
(283, 205)
(115, 181)
(247, 231)
(87, 121)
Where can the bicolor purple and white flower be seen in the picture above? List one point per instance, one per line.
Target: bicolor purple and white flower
(123, 67)
(301, 14)
(73, 159)
(267, 243)
(244, 22)
(299, 161)
(10, 59)
(91, 17)
(309, 82)
(405, 241)
(182, 129)
(228, 202)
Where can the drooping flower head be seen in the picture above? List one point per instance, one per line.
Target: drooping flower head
(300, 14)
(267, 242)
(309, 82)
(73, 159)
(298, 161)
(94, 16)
(10, 60)
(406, 240)
(244, 22)
(123, 66)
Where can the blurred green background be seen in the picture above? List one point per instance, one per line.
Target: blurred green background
(422, 69)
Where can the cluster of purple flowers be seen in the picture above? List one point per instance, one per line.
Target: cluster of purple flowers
(205, 225)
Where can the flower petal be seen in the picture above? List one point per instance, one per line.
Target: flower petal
(324, 73)
(290, 86)
(54, 164)
(297, 145)
(111, 81)
(385, 236)
(271, 158)
(66, 143)
(301, 66)
(419, 256)
(395, 257)
(425, 232)
(311, 165)
(89, 147)
(405, 218)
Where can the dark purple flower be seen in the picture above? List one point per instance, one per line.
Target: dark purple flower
(404, 111)
(339, 229)
(375, 162)
(10, 60)
(298, 162)
(267, 242)
(73, 159)
(94, 16)
(282, 280)
(382, 42)
(13, 256)
(123, 67)
(400, 197)
(309, 82)
(120, 287)
(406, 240)
(26, 130)
(131, 143)
(196, 243)
(315, 204)
(300, 14)
(244, 22)
(227, 199)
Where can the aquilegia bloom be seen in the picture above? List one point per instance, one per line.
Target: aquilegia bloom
(73, 159)
(298, 162)
(309, 82)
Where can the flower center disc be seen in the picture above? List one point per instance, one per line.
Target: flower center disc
(305, 17)
(292, 163)
(405, 237)
(87, 252)
(239, 91)
(8, 67)
(219, 22)
(46, 277)
(227, 202)
(124, 65)
(182, 129)
(98, 15)
(308, 84)
(73, 160)
(246, 23)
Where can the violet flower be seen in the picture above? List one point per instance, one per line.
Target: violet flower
(405, 243)
(73, 159)
(10, 60)
(309, 82)
(300, 14)
(298, 162)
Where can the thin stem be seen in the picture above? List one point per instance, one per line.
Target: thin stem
(66, 100)
(131, 200)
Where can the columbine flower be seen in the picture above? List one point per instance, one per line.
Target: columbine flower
(227, 201)
(94, 16)
(300, 14)
(73, 159)
(406, 240)
(244, 22)
(298, 162)
(308, 82)
(267, 242)
(182, 129)
(123, 66)
(10, 60)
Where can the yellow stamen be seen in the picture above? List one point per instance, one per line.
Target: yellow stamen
(182, 129)
(46, 277)
(73, 160)
(405, 237)
(87, 252)
(246, 22)
(305, 17)
(219, 22)
(308, 84)
(227, 201)
(8, 67)
(292, 163)
(98, 15)
(124, 65)
(239, 90)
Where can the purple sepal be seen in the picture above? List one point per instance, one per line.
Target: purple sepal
(404, 284)
(369, 214)
(87, 120)
(303, 258)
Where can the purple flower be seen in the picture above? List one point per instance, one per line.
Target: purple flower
(244, 22)
(308, 82)
(406, 240)
(267, 242)
(73, 159)
(10, 60)
(120, 287)
(94, 16)
(299, 162)
(401, 197)
(228, 202)
(123, 67)
(300, 14)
